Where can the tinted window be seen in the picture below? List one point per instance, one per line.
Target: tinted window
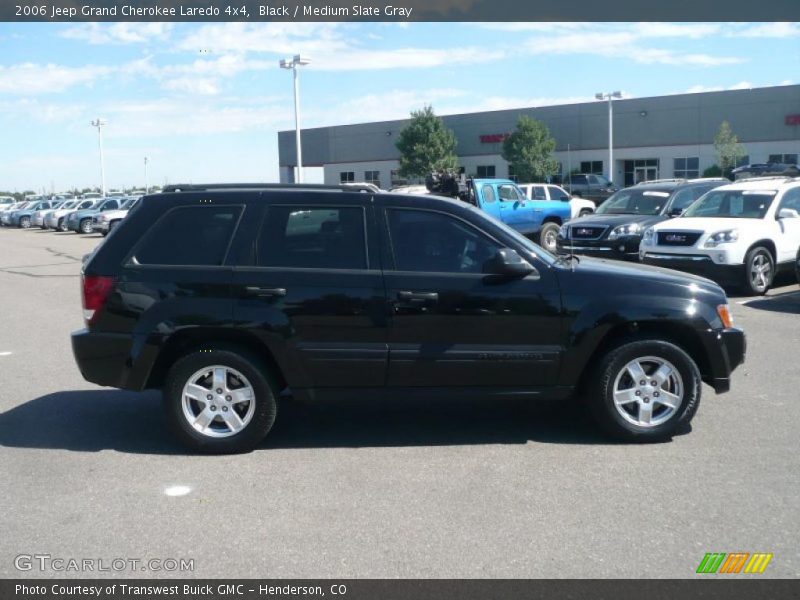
(791, 200)
(538, 192)
(578, 179)
(556, 193)
(192, 235)
(436, 243)
(313, 238)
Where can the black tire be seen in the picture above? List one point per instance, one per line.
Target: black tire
(576, 194)
(758, 257)
(585, 211)
(25, 223)
(85, 226)
(265, 394)
(601, 391)
(547, 236)
(62, 225)
(797, 266)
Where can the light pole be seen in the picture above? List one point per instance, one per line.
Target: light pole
(145, 176)
(100, 123)
(610, 96)
(293, 63)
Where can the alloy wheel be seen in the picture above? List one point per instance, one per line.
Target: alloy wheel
(648, 391)
(218, 401)
(760, 273)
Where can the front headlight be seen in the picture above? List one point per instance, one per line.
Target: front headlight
(630, 229)
(721, 237)
(563, 231)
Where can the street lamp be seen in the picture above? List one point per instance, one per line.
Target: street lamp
(100, 123)
(145, 176)
(610, 96)
(293, 63)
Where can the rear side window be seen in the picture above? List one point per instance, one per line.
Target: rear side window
(313, 237)
(191, 235)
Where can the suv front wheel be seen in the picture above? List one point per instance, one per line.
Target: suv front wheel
(645, 390)
(220, 400)
(759, 271)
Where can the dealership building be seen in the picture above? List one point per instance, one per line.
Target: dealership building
(657, 137)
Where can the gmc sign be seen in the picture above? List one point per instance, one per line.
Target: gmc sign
(793, 119)
(493, 138)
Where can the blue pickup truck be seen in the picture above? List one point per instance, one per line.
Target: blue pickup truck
(506, 202)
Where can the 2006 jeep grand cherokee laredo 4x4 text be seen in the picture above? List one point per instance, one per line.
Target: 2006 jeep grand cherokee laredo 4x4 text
(226, 296)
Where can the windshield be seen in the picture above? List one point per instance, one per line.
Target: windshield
(534, 249)
(631, 201)
(128, 204)
(733, 204)
(68, 204)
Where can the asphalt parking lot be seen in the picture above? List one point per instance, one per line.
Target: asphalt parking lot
(366, 489)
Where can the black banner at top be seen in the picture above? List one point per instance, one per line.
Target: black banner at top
(396, 10)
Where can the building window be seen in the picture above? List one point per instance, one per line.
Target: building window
(642, 169)
(511, 175)
(595, 167)
(347, 176)
(486, 171)
(373, 177)
(787, 159)
(686, 168)
(744, 160)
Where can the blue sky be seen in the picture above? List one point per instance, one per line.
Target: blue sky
(204, 101)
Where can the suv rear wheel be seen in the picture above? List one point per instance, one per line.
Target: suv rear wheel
(220, 400)
(645, 390)
(759, 269)
(86, 226)
(25, 222)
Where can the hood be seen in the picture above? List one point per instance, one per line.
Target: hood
(611, 221)
(706, 224)
(627, 272)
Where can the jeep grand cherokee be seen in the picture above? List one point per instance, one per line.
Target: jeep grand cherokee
(225, 297)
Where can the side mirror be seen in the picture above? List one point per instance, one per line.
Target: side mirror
(676, 212)
(508, 263)
(788, 213)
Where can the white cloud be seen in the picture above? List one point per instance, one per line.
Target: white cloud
(765, 30)
(118, 33)
(32, 78)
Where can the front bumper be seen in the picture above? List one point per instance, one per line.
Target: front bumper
(697, 264)
(725, 350)
(624, 248)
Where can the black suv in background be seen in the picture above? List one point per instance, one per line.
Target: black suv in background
(615, 229)
(586, 185)
(226, 297)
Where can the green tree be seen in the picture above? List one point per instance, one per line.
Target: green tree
(728, 148)
(529, 150)
(713, 171)
(426, 145)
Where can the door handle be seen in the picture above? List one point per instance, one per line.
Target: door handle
(264, 292)
(418, 296)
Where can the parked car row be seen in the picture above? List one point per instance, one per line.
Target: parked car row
(738, 234)
(82, 215)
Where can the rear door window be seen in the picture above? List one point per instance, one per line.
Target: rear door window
(313, 237)
(190, 235)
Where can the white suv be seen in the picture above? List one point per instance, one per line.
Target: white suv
(546, 191)
(738, 234)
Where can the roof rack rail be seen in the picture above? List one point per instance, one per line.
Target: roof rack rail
(698, 179)
(672, 180)
(784, 178)
(205, 187)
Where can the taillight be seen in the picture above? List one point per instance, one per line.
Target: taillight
(96, 289)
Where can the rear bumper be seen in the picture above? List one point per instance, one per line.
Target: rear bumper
(725, 350)
(697, 264)
(120, 360)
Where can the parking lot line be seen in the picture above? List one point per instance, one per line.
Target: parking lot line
(5, 353)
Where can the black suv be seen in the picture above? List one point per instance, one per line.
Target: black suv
(615, 229)
(227, 297)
